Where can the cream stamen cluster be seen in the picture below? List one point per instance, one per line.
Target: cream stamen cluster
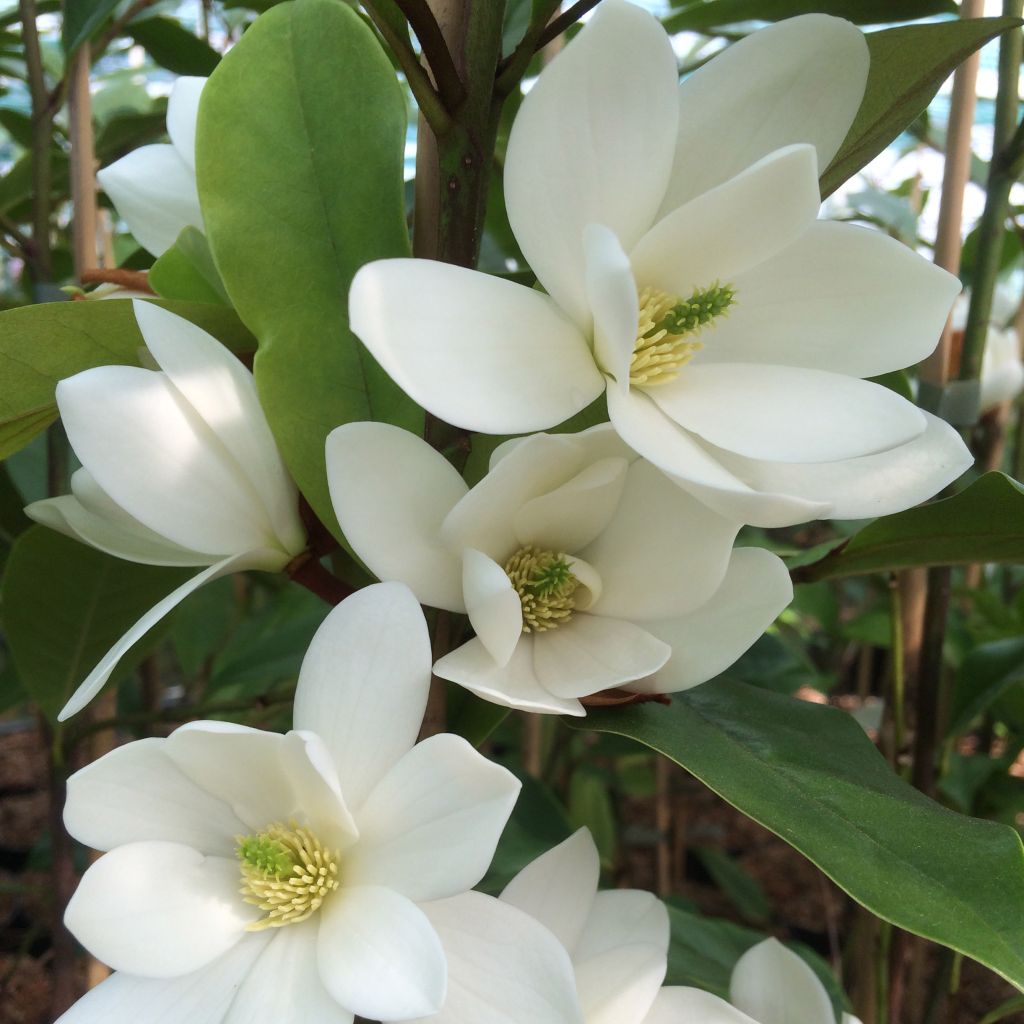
(286, 872)
(545, 585)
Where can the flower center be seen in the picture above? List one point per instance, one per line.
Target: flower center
(545, 585)
(666, 329)
(286, 872)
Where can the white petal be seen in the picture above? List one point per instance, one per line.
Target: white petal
(676, 1005)
(730, 229)
(622, 956)
(801, 80)
(310, 769)
(707, 641)
(558, 887)
(182, 114)
(514, 685)
(393, 518)
(222, 391)
(93, 683)
(158, 909)
(872, 485)
(664, 553)
(614, 302)
(485, 517)
(787, 413)
(593, 653)
(154, 190)
(150, 452)
(477, 351)
(202, 997)
(137, 792)
(842, 298)
(592, 143)
(430, 826)
(503, 967)
(364, 682)
(379, 956)
(284, 986)
(494, 608)
(774, 986)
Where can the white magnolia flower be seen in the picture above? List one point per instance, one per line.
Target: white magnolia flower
(1002, 371)
(580, 565)
(618, 940)
(179, 467)
(154, 187)
(770, 985)
(253, 877)
(673, 230)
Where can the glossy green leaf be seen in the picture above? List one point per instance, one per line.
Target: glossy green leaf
(187, 272)
(66, 604)
(299, 160)
(40, 345)
(591, 806)
(908, 65)
(984, 523)
(173, 47)
(809, 773)
(711, 14)
(82, 20)
(985, 674)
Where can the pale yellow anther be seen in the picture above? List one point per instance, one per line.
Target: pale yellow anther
(545, 585)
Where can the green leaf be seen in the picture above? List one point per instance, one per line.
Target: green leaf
(299, 160)
(908, 65)
(187, 272)
(82, 20)
(699, 17)
(984, 676)
(740, 888)
(173, 47)
(591, 806)
(810, 774)
(983, 523)
(66, 604)
(1001, 1012)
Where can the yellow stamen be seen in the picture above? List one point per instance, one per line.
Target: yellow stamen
(545, 585)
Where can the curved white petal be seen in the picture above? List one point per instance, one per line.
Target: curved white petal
(558, 887)
(309, 767)
(706, 642)
(202, 997)
(182, 114)
(774, 986)
(663, 553)
(871, 485)
(592, 143)
(136, 792)
(494, 608)
(391, 492)
(284, 984)
(363, 684)
(477, 351)
(679, 1005)
(787, 413)
(158, 909)
(222, 391)
(154, 190)
(614, 302)
(484, 519)
(93, 683)
(734, 227)
(622, 957)
(514, 685)
(801, 80)
(503, 967)
(568, 518)
(592, 653)
(379, 956)
(1002, 373)
(842, 298)
(430, 826)
(157, 459)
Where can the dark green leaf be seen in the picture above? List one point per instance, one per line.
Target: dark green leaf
(985, 674)
(128, 130)
(908, 65)
(472, 717)
(810, 774)
(17, 125)
(172, 46)
(66, 604)
(40, 345)
(591, 806)
(984, 523)
(699, 17)
(307, 113)
(187, 272)
(1004, 1010)
(82, 20)
(741, 889)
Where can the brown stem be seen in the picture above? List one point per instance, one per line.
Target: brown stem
(308, 571)
(564, 21)
(435, 51)
(135, 280)
(83, 162)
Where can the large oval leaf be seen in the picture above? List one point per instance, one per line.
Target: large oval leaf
(299, 159)
(811, 775)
